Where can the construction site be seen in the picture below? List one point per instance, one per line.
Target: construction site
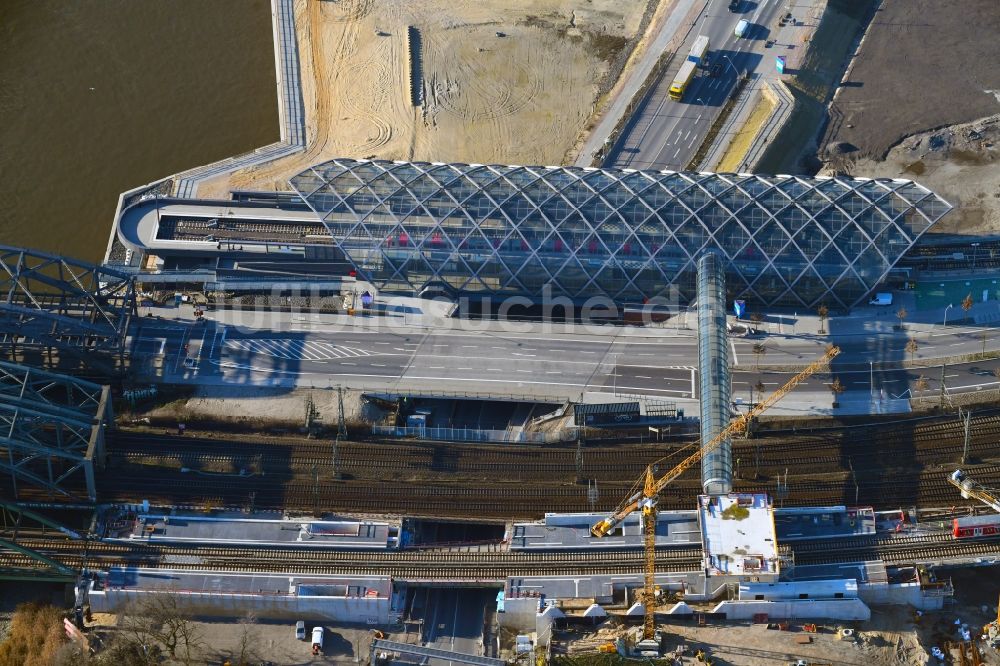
(356, 404)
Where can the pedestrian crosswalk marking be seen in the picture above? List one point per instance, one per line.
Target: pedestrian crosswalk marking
(299, 350)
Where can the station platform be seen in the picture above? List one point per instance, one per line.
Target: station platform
(275, 596)
(257, 531)
(823, 522)
(571, 531)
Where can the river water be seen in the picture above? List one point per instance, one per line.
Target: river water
(99, 96)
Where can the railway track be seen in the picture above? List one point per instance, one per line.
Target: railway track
(907, 466)
(896, 550)
(519, 499)
(924, 442)
(406, 564)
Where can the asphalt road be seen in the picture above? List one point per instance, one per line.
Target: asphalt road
(665, 134)
(554, 364)
(455, 618)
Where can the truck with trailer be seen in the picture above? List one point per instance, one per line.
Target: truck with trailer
(682, 80)
(699, 52)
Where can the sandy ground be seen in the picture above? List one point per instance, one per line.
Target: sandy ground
(923, 64)
(523, 98)
(960, 163)
(894, 635)
(249, 407)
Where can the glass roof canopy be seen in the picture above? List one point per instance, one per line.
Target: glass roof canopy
(627, 235)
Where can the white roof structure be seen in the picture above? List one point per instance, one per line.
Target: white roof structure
(738, 535)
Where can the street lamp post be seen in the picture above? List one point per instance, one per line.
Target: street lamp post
(735, 71)
(975, 253)
(614, 359)
(699, 99)
(871, 380)
(945, 325)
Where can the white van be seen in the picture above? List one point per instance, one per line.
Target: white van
(742, 28)
(317, 643)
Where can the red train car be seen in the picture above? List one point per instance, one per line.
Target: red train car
(976, 526)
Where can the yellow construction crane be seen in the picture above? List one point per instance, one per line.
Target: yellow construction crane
(970, 488)
(651, 486)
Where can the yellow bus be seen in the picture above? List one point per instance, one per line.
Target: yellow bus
(682, 80)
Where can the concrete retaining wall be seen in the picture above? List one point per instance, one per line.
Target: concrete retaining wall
(519, 614)
(341, 609)
(806, 609)
(903, 593)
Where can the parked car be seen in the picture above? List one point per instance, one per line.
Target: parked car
(317, 637)
(716, 70)
(300, 630)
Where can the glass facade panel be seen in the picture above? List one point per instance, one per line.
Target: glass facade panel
(628, 236)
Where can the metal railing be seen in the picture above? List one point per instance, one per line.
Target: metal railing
(470, 435)
(473, 395)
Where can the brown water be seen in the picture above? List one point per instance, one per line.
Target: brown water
(99, 96)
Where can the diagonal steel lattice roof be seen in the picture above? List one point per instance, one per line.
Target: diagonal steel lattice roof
(627, 235)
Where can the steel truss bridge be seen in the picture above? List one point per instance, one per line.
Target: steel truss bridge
(54, 311)
(51, 432)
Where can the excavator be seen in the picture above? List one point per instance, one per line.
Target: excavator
(650, 487)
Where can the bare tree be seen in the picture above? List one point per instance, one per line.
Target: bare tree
(159, 621)
(249, 640)
(911, 347)
(836, 388)
(901, 315)
(822, 312)
(759, 349)
(756, 319)
(921, 384)
(967, 303)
